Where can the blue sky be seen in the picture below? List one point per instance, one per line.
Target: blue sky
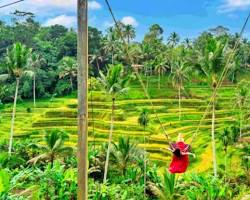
(187, 17)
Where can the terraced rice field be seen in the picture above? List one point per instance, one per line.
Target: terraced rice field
(61, 113)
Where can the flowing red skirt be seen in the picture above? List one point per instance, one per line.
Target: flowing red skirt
(180, 162)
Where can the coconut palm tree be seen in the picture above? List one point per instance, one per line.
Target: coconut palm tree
(143, 120)
(187, 43)
(68, 68)
(179, 74)
(148, 71)
(166, 190)
(53, 147)
(35, 62)
(135, 53)
(111, 43)
(210, 65)
(123, 154)
(235, 70)
(98, 59)
(242, 95)
(129, 32)
(235, 133)
(16, 63)
(114, 84)
(161, 67)
(173, 39)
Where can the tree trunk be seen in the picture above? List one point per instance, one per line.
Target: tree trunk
(145, 165)
(34, 90)
(98, 66)
(171, 66)
(82, 57)
(52, 160)
(225, 163)
(71, 83)
(112, 58)
(109, 142)
(213, 136)
(159, 81)
(146, 74)
(179, 94)
(241, 120)
(13, 117)
(147, 81)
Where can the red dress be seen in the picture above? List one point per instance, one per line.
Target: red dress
(179, 162)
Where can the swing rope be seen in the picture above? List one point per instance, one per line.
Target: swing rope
(136, 72)
(220, 82)
(222, 78)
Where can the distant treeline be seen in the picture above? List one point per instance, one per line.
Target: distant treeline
(56, 48)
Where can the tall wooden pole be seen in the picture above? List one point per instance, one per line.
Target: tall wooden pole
(82, 57)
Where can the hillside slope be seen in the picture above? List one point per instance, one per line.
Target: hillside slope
(60, 113)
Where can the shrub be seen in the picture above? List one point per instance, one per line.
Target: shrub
(62, 88)
(58, 183)
(28, 110)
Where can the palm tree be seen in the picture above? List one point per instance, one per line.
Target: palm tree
(235, 133)
(180, 74)
(135, 53)
(16, 63)
(188, 43)
(98, 59)
(35, 61)
(173, 39)
(143, 120)
(68, 68)
(129, 32)
(111, 43)
(160, 68)
(235, 70)
(210, 64)
(123, 154)
(53, 147)
(242, 95)
(114, 84)
(147, 65)
(166, 190)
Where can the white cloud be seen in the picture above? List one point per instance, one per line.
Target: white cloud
(94, 5)
(233, 16)
(55, 3)
(232, 5)
(49, 7)
(67, 21)
(128, 20)
(69, 4)
(107, 24)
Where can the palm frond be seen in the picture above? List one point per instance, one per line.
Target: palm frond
(38, 158)
(4, 77)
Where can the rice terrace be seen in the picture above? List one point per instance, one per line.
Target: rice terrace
(108, 100)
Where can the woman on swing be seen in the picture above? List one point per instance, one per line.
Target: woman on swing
(180, 159)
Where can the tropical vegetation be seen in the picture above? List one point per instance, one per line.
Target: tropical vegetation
(142, 94)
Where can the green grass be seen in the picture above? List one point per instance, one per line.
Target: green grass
(61, 113)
